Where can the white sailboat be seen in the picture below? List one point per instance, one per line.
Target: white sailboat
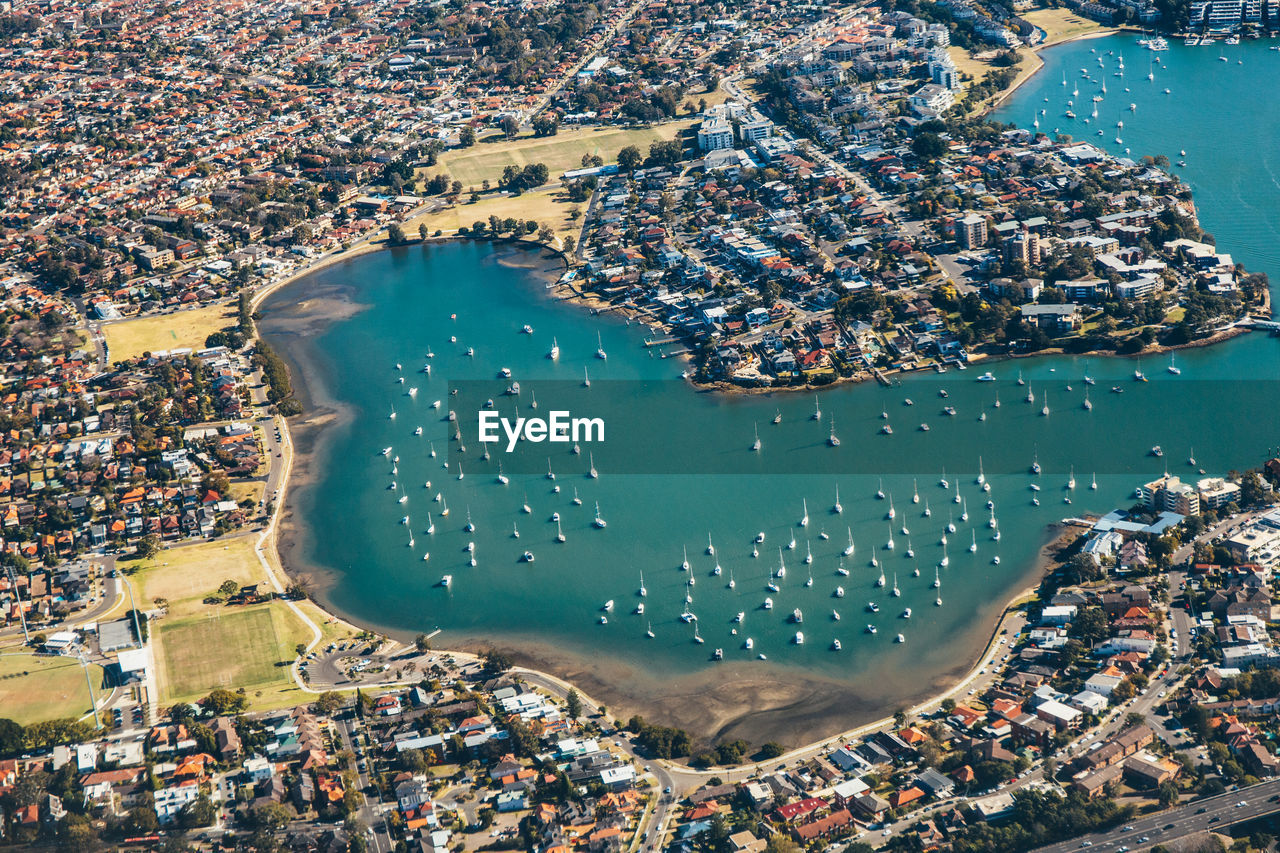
(599, 521)
(836, 507)
(600, 353)
(848, 549)
(755, 445)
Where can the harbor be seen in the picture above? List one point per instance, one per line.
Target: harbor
(796, 524)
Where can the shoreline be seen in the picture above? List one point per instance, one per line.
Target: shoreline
(745, 700)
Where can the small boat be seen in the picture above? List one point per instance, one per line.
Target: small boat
(684, 564)
(835, 645)
(906, 614)
(1157, 451)
(1173, 367)
(599, 522)
(798, 639)
(832, 439)
(600, 353)
(768, 603)
(871, 629)
(586, 378)
(837, 508)
(577, 501)
(755, 445)
(839, 593)
(987, 377)
(848, 550)
(899, 639)
(817, 411)
(649, 631)
(527, 557)
(796, 616)
(804, 519)
(749, 644)
(718, 654)
(760, 538)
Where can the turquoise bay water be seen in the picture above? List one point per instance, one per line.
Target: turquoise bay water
(687, 441)
(1220, 113)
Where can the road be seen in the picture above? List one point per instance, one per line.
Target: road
(1214, 813)
(379, 840)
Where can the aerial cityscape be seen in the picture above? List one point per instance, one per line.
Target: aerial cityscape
(620, 427)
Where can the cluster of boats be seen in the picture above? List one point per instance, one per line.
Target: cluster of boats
(775, 581)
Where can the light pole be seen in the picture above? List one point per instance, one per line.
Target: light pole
(133, 610)
(93, 699)
(22, 614)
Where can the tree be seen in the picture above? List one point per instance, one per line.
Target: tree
(395, 234)
(198, 812)
(423, 231)
(547, 124)
(1167, 793)
(11, 737)
(629, 158)
(1090, 626)
(510, 126)
(422, 643)
(223, 702)
(467, 137)
(573, 704)
(496, 660)
(270, 816)
(228, 587)
(780, 842)
(301, 649)
(772, 749)
(928, 146)
(569, 244)
(328, 702)
(148, 546)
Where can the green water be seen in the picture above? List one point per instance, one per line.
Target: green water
(676, 464)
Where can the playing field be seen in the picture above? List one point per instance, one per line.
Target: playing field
(1059, 25)
(50, 689)
(184, 576)
(236, 648)
(564, 151)
(187, 328)
(546, 207)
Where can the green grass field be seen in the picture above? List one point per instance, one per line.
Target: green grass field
(564, 151)
(42, 688)
(235, 649)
